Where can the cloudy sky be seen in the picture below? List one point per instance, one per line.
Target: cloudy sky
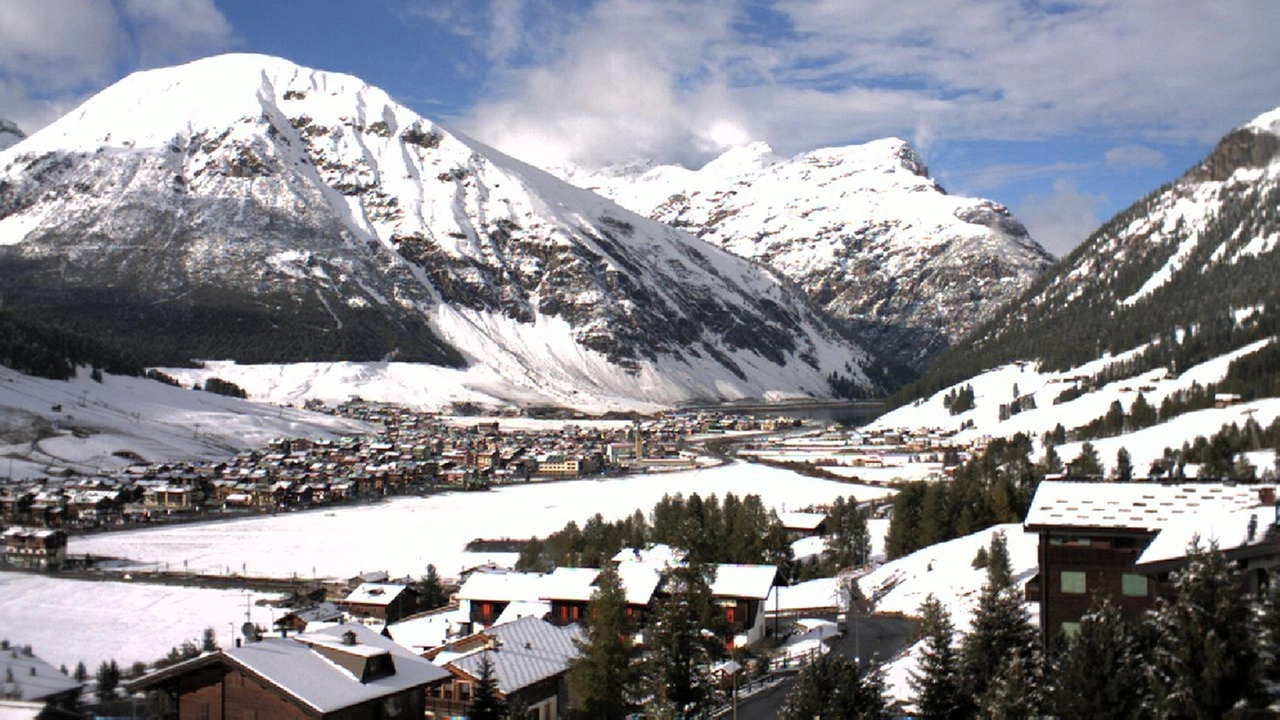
(1065, 110)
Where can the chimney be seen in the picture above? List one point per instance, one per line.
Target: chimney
(349, 638)
(237, 642)
(1266, 495)
(1253, 527)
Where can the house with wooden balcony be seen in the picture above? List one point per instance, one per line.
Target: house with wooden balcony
(35, 548)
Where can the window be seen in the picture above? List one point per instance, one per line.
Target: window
(1133, 585)
(1069, 629)
(1073, 582)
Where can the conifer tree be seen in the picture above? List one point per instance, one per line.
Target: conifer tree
(602, 678)
(830, 687)
(1099, 671)
(1204, 662)
(108, 678)
(209, 640)
(849, 542)
(1087, 463)
(1124, 466)
(936, 678)
(81, 673)
(681, 641)
(486, 702)
(1000, 634)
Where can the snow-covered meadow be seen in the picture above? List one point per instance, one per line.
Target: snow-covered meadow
(404, 535)
(70, 620)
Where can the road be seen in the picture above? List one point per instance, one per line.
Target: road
(866, 636)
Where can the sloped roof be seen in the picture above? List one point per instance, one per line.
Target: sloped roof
(375, 593)
(501, 586)
(32, 678)
(291, 665)
(744, 581)
(1131, 506)
(801, 520)
(565, 583)
(1227, 530)
(528, 650)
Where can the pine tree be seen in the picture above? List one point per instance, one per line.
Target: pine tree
(1087, 463)
(108, 679)
(486, 702)
(1205, 661)
(830, 687)
(680, 644)
(849, 542)
(602, 678)
(209, 641)
(1268, 640)
(1000, 633)
(1099, 671)
(82, 673)
(1124, 466)
(936, 680)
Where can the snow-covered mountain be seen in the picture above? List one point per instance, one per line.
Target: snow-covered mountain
(245, 207)
(1176, 293)
(1197, 257)
(863, 229)
(10, 134)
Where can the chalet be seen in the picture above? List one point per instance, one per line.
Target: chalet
(741, 591)
(27, 679)
(530, 659)
(346, 671)
(1093, 534)
(485, 595)
(381, 601)
(35, 548)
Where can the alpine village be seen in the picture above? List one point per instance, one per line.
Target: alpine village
(311, 407)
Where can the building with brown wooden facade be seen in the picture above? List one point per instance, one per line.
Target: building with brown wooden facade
(1092, 535)
(346, 671)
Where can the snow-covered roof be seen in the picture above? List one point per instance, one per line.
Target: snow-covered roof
(527, 650)
(291, 665)
(821, 593)
(501, 586)
(801, 520)
(566, 583)
(744, 581)
(1131, 506)
(375, 593)
(25, 676)
(1228, 530)
(523, 609)
(427, 631)
(639, 581)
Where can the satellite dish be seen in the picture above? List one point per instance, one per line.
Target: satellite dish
(250, 632)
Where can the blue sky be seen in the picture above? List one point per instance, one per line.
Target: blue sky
(1065, 110)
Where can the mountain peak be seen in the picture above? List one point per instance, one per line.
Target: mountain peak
(740, 160)
(245, 207)
(1268, 122)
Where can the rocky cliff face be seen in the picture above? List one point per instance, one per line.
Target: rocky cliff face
(862, 229)
(244, 207)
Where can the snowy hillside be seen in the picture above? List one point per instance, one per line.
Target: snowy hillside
(945, 571)
(89, 426)
(863, 229)
(244, 207)
(998, 386)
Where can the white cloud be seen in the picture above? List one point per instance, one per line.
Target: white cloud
(1135, 156)
(651, 77)
(1062, 220)
(54, 54)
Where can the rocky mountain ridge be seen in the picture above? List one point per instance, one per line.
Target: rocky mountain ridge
(245, 207)
(863, 229)
(1183, 275)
